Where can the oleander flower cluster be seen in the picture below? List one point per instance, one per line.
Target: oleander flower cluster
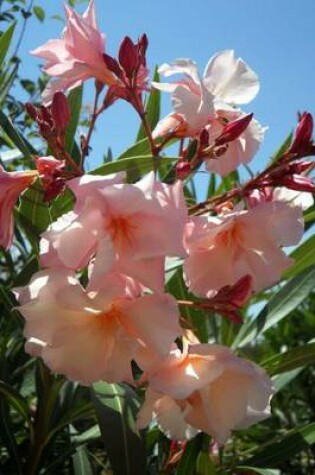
(100, 303)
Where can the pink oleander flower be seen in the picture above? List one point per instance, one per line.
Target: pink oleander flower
(191, 392)
(241, 150)
(77, 56)
(223, 249)
(131, 227)
(227, 81)
(12, 184)
(89, 335)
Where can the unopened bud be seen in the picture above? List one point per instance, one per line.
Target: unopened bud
(303, 134)
(60, 110)
(204, 138)
(128, 56)
(233, 130)
(298, 183)
(183, 169)
(112, 65)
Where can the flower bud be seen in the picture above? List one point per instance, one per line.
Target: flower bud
(60, 110)
(128, 56)
(303, 134)
(183, 169)
(298, 183)
(233, 130)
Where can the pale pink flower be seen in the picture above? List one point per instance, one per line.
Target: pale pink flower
(12, 184)
(130, 226)
(191, 392)
(90, 335)
(239, 151)
(227, 81)
(223, 249)
(77, 56)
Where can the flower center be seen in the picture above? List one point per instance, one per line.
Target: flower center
(121, 230)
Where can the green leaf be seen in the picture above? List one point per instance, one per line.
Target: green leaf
(24, 276)
(281, 380)
(152, 108)
(283, 148)
(205, 465)
(292, 359)
(15, 400)
(19, 141)
(279, 306)
(75, 104)
(5, 41)
(143, 163)
(276, 452)
(34, 209)
(39, 12)
(304, 257)
(139, 148)
(81, 462)
(260, 471)
(116, 406)
(187, 464)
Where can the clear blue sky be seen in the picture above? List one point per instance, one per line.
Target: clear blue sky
(275, 37)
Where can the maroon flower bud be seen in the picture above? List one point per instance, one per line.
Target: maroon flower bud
(128, 56)
(297, 182)
(31, 110)
(60, 110)
(303, 134)
(299, 167)
(112, 65)
(183, 169)
(142, 48)
(234, 129)
(204, 138)
(241, 291)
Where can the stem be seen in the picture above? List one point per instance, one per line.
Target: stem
(95, 114)
(239, 192)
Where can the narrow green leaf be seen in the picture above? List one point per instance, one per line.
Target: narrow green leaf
(15, 400)
(292, 359)
(152, 108)
(81, 462)
(143, 163)
(116, 406)
(283, 148)
(139, 148)
(34, 209)
(19, 141)
(7, 435)
(26, 273)
(75, 104)
(5, 41)
(187, 464)
(39, 12)
(280, 305)
(304, 256)
(281, 380)
(205, 465)
(278, 451)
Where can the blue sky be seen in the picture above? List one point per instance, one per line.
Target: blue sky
(275, 37)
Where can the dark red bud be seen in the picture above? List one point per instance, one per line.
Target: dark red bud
(112, 65)
(241, 291)
(142, 48)
(303, 134)
(297, 182)
(60, 110)
(204, 138)
(183, 169)
(128, 56)
(31, 110)
(234, 129)
(44, 115)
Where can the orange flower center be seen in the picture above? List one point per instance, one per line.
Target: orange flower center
(121, 230)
